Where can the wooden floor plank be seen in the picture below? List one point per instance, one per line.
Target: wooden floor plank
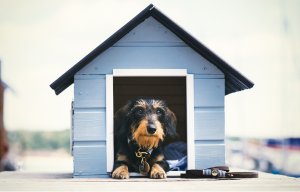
(23, 181)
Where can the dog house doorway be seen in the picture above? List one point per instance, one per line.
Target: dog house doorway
(172, 90)
(175, 87)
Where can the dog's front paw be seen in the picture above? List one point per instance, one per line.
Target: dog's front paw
(121, 173)
(157, 172)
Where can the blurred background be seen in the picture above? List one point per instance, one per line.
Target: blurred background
(40, 40)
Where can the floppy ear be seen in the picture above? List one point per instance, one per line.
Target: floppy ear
(120, 121)
(172, 122)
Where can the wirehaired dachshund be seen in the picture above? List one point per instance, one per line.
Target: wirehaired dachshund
(139, 128)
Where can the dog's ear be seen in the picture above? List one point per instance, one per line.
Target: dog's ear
(172, 122)
(120, 121)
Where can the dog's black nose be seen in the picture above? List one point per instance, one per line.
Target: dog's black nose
(151, 129)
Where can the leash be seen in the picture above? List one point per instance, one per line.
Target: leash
(144, 167)
(217, 172)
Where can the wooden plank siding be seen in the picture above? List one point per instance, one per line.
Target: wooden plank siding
(150, 58)
(209, 154)
(209, 125)
(88, 91)
(90, 159)
(209, 92)
(89, 126)
(148, 46)
(89, 123)
(150, 31)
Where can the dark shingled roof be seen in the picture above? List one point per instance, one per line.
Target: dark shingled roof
(234, 81)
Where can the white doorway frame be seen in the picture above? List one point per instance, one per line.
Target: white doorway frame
(150, 73)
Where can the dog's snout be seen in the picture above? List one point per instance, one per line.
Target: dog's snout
(151, 128)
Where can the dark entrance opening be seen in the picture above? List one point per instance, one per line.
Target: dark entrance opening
(170, 89)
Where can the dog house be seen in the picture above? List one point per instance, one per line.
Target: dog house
(149, 56)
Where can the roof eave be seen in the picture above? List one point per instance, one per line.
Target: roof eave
(67, 78)
(231, 74)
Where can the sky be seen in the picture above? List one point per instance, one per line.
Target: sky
(40, 40)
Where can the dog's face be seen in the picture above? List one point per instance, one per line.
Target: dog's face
(146, 121)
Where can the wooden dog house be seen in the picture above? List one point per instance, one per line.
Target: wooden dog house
(149, 56)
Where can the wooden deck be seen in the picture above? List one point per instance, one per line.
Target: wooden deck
(23, 181)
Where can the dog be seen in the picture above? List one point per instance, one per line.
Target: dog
(139, 129)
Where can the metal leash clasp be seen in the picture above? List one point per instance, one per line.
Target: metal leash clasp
(140, 154)
(144, 166)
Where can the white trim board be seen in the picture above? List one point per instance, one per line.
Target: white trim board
(169, 174)
(150, 73)
(109, 122)
(190, 121)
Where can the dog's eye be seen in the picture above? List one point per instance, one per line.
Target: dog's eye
(158, 112)
(139, 112)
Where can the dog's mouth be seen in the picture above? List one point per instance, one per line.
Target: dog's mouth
(146, 135)
(147, 141)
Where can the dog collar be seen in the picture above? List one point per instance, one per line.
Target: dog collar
(149, 151)
(140, 154)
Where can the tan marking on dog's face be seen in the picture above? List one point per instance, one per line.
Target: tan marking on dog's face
(121, 173)
(159, 130)
(140, 103)
(146, 140)
(157, 172)
(156, 104)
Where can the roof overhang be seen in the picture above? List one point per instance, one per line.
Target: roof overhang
(234, 80)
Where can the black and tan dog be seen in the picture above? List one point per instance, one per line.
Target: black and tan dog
(140, 127)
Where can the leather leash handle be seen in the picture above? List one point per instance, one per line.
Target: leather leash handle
(242, 175)
(200, 171)
(228, 175)
(220, 172)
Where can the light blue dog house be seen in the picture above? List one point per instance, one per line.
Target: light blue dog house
(149, 56)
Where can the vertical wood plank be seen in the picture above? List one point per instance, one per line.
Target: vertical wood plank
(71, 128)
(190, 120)
(209, 121)
(89, 149)
(109, 122)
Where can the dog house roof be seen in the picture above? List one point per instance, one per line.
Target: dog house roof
(234, 80)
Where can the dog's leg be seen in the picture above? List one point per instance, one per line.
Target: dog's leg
(157, 172)
(120, 172)
(159, 169)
